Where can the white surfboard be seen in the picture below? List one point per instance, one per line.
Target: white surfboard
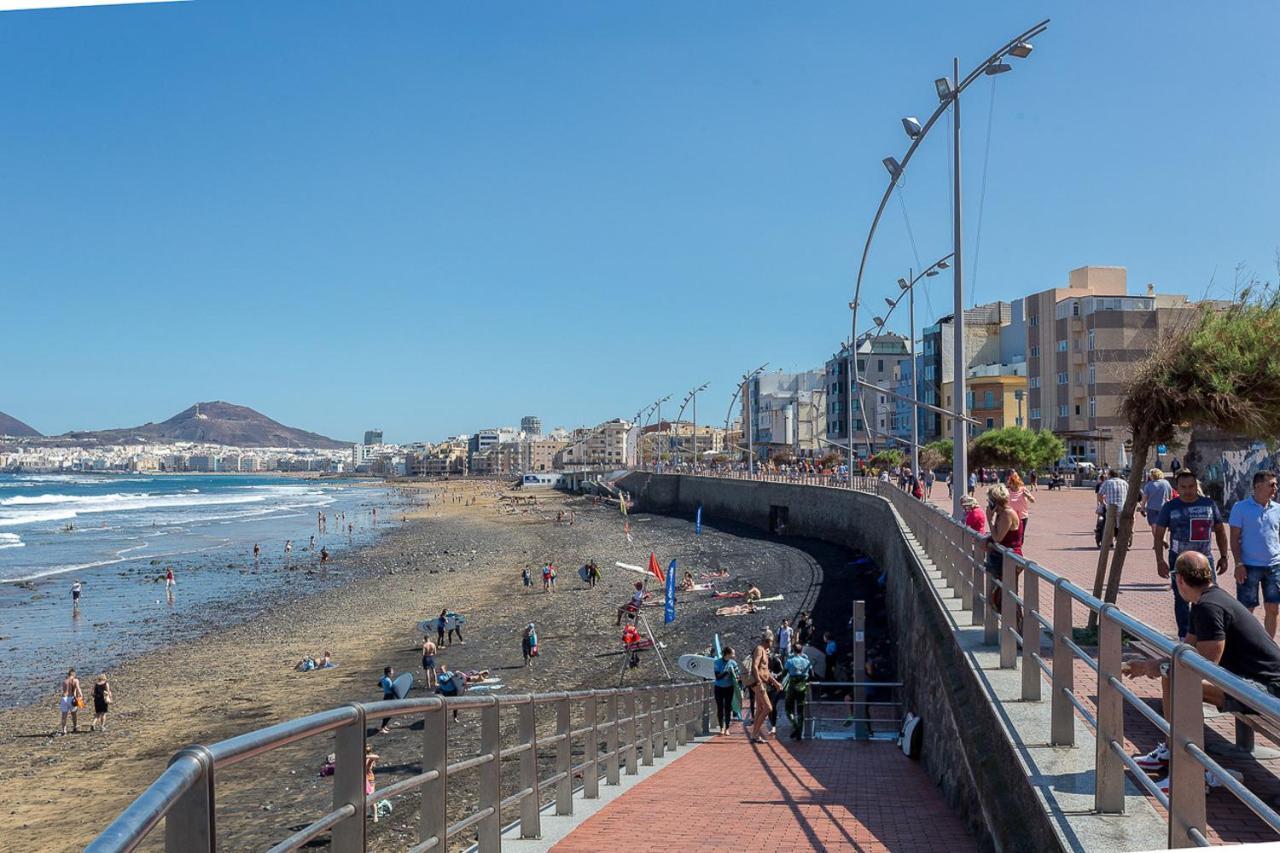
(451, 622)
(817, 657)
(700, 666)
(632, 568)
(770, 598)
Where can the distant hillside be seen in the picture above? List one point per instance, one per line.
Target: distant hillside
(217, 423)
(14, 427)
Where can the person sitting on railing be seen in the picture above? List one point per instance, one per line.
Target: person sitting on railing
(1224, 632)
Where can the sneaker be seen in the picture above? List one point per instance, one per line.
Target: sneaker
(1156, 759)
(1211, 780)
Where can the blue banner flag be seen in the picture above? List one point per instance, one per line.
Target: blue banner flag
(697, 522)
(670, 615)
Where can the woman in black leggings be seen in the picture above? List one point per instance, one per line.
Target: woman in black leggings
(726, 670)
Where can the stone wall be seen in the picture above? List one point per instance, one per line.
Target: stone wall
(966, 749)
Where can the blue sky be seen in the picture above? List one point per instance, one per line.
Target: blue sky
(435, 217)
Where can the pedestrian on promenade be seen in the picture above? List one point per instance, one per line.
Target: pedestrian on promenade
(71, 702)
(1225, 633)
(785, 635)
(102, 700)
(799, 670)
(973, 481)
(804, 628)
(388, 692)
(974, 518)
(727, 675)
(762, 681)
(1155, 493)
(1256, 548)
(1112, 492)
(1193, 521)
(950, 481)
(928, 483)
(1020, 499)
(1033, 480)
(1006, 530)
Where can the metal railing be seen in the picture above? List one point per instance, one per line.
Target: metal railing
(960, 554)
(637, 725)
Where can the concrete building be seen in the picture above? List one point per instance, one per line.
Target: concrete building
(878, 357)
(1083, 341)
(531, 425)
(788, 412)
(612, 444)
(372, 436)
(990, 332)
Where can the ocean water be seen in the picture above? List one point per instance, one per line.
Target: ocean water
(116, 535)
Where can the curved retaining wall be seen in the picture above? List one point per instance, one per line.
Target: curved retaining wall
(966, 748)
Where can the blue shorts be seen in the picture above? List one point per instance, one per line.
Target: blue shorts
(1268, 577)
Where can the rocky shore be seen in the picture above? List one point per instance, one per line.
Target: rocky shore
(462, 553)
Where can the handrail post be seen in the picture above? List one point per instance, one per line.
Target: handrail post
(977, 571)
(348, 784)
(190, 826)
(1063, 723)
(629, 704)
(530, 813)
(1108, 797)
(659, 722)
(591, 773)
(1186, 775)
(646, 727)
(1031, 638)
(690, 717)
(564, 757)
(706, 710)
(433, 820)
(1008, 611)
(990, 618)
(489, 835)
(611, 769)
(680, 719)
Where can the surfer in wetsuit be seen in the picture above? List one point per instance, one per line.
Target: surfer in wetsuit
(387, 683)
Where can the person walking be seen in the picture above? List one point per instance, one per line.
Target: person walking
(785, 635)
(727, 675)
(102, 700)
(525, 578)
(928, 483)
(1192, 521)
(799, 670)
(169, 581)
(973, 481)
(370, 761)
(1155, 493)
(1255, 548)
(387, 683)
(429, 659)
(529, 643)
(1112, 492)
(71, 702)
(763, 680)
(1020, 500)
(75, 595)
(593, 574)
(441, 621)
(546, 577)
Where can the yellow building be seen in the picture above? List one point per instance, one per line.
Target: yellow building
(995, 400)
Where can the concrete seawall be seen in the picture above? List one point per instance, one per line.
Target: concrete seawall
(967, 750)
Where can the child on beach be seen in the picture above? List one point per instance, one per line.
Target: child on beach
(370, 760)
(529, 644)
(524, 576)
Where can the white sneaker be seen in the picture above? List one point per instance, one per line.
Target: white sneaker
(1211, 780)
(1156, 759)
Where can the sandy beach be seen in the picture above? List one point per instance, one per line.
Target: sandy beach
(461, 552)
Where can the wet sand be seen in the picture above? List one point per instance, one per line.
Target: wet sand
(58, 792)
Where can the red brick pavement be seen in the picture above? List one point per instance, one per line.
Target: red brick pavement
(781, 795)
(1060, 538)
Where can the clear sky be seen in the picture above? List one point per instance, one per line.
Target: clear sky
(435, 217)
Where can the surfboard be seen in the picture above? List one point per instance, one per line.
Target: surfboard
(400, 687)
(771, 598)
(451, 621)
(817, 657)
(584, 574)
(700, 666)
(715, 645)
(632, 568)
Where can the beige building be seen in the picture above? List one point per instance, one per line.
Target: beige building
(611, 444)
(1083, 341)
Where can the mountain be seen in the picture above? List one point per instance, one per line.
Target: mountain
(16, 428)
(216, 423)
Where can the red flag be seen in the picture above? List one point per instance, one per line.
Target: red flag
(655, 569)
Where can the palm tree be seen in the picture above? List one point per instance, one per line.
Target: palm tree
(1219, 370)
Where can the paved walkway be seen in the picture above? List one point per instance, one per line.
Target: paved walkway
(1060, 538)
(781, 795)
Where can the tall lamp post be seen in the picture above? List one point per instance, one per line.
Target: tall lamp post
(691, 396)
(949, 90)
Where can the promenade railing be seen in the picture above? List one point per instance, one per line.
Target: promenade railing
(634, 725)
(960, 555)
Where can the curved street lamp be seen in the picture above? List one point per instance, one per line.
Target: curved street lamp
(746, 377)
(949, 91)
(692, 395)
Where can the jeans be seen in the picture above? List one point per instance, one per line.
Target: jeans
(1181, 609)
(724, 705)
(1268, 577)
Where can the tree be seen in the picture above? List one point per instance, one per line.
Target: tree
(1015, 447)
(1220, 370)
(888, 459)
(936, 453)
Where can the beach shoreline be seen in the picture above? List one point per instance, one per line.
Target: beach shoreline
(457, 554)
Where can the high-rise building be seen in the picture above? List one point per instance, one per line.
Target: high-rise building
(531, 425)
(986, 342)
(372, 436)
(878, 359)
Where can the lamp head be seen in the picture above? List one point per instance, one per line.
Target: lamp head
(890, 302)
(902, 282)
(931, 273)
(1022, 49)
(879, 321)
(943, 85)
(997, 68)
(942, 265)
(892, 165)
(911, 125)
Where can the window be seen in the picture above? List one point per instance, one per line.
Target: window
(988, 401)
(1062, 410)
(1093, 374)
(1035, 413)
(1093, 339)
(1035, 352)
(1034, 320)
(880, 365)
(862, 365)
(1062, 346)
(1093, 407)
(1075, 309)
(1063, 379)
(1077, 409)
(857, 424)
(1034, 382)
(968, 400)
(990, 423)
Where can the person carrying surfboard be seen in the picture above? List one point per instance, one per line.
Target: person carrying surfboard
(726, 685)
(388, 693)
